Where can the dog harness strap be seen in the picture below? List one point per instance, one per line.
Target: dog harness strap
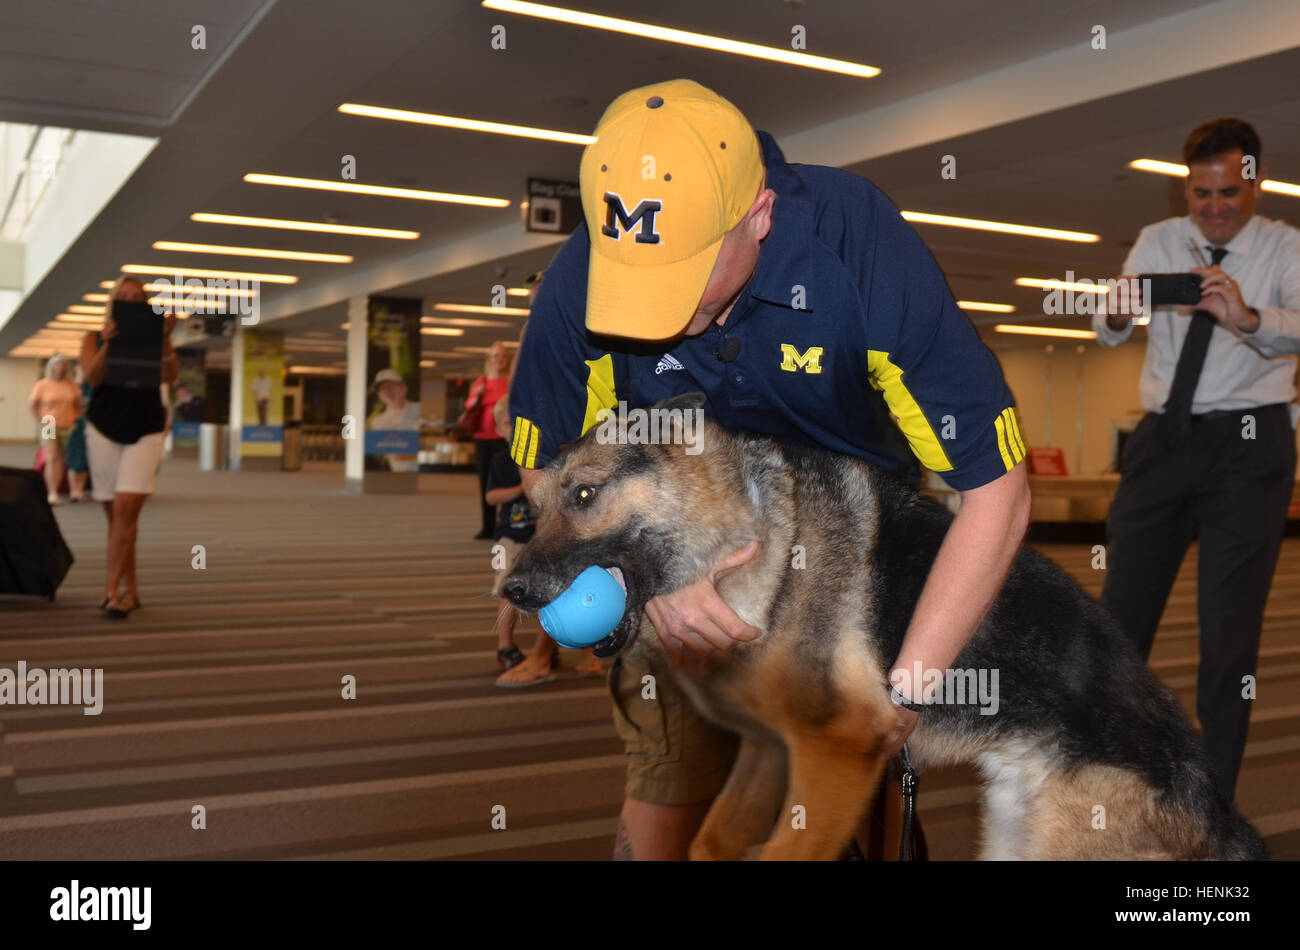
(906, 842)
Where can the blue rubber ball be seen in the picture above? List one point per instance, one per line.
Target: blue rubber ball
(587, 612)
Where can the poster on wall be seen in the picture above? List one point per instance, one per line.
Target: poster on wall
(393, 372)
(189, 394)
(263, 395)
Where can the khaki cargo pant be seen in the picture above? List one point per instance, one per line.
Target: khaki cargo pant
(674, 755)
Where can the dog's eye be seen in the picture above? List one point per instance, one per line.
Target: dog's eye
(583, 494)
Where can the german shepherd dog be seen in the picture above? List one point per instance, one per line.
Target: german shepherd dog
(1088, 756)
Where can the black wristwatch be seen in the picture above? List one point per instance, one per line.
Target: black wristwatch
(900, 700)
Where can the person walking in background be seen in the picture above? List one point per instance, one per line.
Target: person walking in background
(56, 404)
(78, 467)
(483, 396)
(124, 444)
(1214, 457)
(514, 529)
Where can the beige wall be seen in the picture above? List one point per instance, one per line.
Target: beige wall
(1046, 387)
(17, 377)
(1046, 380)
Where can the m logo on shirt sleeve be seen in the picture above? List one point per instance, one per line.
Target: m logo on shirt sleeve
(810, 361)
(616, 216)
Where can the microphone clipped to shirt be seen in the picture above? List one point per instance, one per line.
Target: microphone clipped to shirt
(730, 350)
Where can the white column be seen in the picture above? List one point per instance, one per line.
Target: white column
(354, 449)
(235, 431)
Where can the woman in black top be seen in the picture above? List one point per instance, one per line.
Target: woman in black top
(124, 441)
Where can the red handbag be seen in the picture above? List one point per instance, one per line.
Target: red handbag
(472, 416)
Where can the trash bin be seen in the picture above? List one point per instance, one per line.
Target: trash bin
(212, 447)
(291, 459)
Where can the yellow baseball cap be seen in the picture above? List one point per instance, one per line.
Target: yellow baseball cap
(674, 167)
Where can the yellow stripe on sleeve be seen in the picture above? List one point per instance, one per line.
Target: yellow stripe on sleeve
(1013, 427)
(522, 427)
(888, 378)
(534, 438)
(600, 389)
(1000, 424)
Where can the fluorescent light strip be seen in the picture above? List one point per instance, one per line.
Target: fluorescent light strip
(95, 298)
(244, 220)
(426, 364)
(170, 287)
(471, 125)
(517, 292)
(1055, 234)
(252, 252)
(85, 308)
(990, 307)
(162, 270)
(478, 308)
(414, 194)
(79, 318)
(667, 35)
(466, 322)
(1180, 171)
(1044, 283)
(442, 331)
(1045, 331)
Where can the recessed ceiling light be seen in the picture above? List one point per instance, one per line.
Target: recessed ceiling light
(471, 125)
(1180, 171)
(246, 221)
(325, 184)
(990, 307)
(95, 298)
(667, 35)
(1047, 283)
(466, 322)
(252, 252)
(1045, 331)
(170, 287)
(478, 308)
(426, 364)
(1055, 234)
(442, 331)
(85, 308)
(163, 270)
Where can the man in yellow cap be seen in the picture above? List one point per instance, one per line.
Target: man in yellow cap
(804, 307)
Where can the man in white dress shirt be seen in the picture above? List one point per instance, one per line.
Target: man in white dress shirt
(1214, 458)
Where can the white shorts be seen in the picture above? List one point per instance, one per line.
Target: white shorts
(115, 467)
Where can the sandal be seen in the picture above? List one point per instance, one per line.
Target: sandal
(125, 605)
(509, 657)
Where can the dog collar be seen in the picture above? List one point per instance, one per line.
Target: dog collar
(900, 700)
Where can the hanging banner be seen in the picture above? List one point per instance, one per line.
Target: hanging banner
(393, 399)
(263, 416)
(189, 394)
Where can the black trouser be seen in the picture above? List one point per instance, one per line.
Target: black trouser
(1229, 492)
(484, 449)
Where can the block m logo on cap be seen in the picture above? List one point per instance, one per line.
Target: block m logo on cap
(616, 216)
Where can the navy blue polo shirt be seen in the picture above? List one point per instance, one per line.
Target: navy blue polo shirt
(846, 336)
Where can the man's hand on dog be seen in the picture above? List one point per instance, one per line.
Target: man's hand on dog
(694, 622)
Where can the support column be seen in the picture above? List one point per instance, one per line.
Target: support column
(234, 431)
(355, 399)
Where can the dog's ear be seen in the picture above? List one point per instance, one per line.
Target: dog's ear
(684, 401)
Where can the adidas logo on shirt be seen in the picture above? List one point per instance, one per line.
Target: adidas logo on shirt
(667, 364)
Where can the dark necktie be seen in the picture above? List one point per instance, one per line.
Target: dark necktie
(1177, 417)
